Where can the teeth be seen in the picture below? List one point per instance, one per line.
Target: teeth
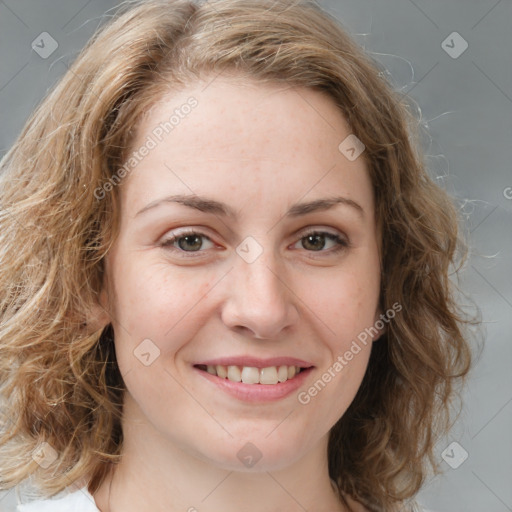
(268, 375)
(282, 373)
(251, 375)
(234, 374)
(222, 371)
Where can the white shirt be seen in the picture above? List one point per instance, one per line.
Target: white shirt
(79, 501)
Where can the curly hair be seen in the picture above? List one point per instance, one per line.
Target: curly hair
(59, 381)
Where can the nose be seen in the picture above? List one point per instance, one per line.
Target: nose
(259, 302)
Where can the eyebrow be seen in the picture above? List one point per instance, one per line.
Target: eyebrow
(207, 205)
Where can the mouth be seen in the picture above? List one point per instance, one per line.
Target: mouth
(267, 375)
(252, 379)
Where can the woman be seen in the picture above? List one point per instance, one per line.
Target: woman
(226, 283)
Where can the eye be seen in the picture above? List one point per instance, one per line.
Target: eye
(189, 241)
(322, 241)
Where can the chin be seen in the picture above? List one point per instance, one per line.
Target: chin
(254, 456)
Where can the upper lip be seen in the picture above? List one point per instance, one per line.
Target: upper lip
(256, 362)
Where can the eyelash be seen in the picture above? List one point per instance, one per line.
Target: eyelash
(341, 242)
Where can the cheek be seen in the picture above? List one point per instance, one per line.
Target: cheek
(159, 291)
(158, 303)
(344, 302)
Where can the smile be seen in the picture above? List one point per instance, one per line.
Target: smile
(255, 380)
(270, 375)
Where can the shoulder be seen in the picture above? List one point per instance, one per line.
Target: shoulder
(77, 501)
(410, 506)
(418, 508)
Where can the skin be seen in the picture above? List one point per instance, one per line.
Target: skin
(259, 149)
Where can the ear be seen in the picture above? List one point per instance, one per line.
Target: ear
(99, 316)
(379, 324)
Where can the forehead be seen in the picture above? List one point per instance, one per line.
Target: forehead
(245, 136)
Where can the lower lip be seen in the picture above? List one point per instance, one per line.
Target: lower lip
(258, 392)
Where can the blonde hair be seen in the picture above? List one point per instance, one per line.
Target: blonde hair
(59, 379)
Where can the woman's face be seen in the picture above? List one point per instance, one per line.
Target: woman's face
(247, 246)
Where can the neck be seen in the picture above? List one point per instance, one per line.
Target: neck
(156, 474)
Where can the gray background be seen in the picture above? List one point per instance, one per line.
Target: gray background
(466, 104)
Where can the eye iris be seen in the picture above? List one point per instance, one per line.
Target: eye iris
(190, 242)
(314, 242)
